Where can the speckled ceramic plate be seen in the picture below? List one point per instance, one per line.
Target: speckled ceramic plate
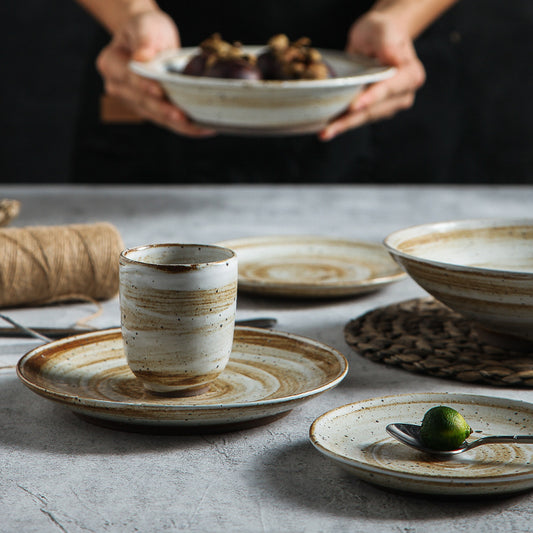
(269, 374)
(354, 436)
(309, 266)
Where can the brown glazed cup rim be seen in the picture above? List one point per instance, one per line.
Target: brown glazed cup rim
(124, 259)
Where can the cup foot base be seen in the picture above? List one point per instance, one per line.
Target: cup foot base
(181, 393)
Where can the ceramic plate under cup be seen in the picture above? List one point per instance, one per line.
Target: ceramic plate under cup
(269, 374)
(354, 436)
(308, 266)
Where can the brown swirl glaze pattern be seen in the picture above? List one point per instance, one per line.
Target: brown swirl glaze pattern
(269, 373)
(354, 435)
(482, 269)
(177, 305)
(312, 266)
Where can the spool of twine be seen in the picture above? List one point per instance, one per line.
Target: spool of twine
(48, 264)
(9, 209)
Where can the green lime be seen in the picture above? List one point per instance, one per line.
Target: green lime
(443, 428)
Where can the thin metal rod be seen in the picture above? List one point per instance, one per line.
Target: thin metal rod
(49, 334)
(29, 331)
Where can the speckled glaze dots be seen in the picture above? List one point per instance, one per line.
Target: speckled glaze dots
(177, 304)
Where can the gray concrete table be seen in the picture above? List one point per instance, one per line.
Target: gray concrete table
(59, 473)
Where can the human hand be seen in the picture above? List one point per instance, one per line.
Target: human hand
(381, 36)
(140, 39)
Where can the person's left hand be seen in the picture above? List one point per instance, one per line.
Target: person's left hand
(378, 35)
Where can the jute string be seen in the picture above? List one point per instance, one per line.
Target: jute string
(49, 264)
(9, 209)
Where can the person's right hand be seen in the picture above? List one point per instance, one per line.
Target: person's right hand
(140, 39)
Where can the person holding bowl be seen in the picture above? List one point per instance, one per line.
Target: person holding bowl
(140, 29)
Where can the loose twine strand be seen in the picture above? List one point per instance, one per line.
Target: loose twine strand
(50, 264)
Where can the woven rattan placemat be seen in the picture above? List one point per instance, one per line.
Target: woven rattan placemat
(424, 336)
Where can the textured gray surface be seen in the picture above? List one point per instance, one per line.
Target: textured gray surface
(59, 473)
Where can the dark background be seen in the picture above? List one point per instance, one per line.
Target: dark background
(472, 121)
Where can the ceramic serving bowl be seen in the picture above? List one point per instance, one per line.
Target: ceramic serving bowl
(263, 107)
(482, 269)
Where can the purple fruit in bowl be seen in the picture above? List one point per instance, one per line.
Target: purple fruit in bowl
(285, 60)
(281, 60)
(220, 59)
(196, 65)
(233, 68)
(267, 64)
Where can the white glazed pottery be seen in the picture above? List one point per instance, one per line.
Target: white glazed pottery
(482, 269)
(177, 307)
(312, 266)
(355, 438)
(269, 373)
(263, 107)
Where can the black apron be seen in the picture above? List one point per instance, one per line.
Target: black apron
(127, 153)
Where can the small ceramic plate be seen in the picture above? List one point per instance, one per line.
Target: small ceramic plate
(354, 436)
(308, 266)
(269, 374)
(251, 107)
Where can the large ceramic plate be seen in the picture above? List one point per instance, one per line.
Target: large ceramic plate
(354, 436)
(263, 107)
(309, 266)
(269, 373)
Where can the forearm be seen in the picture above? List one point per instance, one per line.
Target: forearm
(416, 15)
(113, 13)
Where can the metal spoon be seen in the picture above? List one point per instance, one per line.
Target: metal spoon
(410, 434)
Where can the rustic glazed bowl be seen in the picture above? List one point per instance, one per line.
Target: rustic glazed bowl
(263, 107)
(482, 269)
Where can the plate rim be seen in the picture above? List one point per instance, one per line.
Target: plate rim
(339, 288)
(67, 399)
(436, 480)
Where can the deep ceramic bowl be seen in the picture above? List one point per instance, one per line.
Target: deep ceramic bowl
(263, 107)
(482, 269)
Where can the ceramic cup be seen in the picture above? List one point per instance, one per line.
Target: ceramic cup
(177, 304)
